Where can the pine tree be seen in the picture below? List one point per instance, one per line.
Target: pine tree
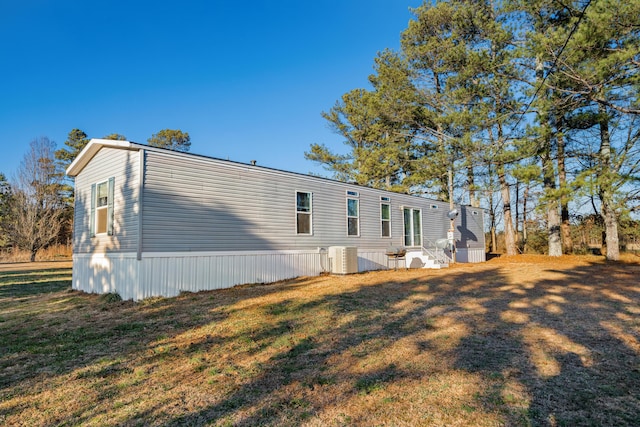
(173, 139)
(462, 54)
(115, 137)
(592, 52)
(75, 142)
(375, 124)
(5, 199)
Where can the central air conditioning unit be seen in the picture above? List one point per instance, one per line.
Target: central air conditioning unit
(343, 259)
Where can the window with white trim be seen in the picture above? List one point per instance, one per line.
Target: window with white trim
(353, 217)
(303, 212)
(385, 219)
(101, 211)
(412, 227)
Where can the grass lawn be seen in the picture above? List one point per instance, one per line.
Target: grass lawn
(514, 341)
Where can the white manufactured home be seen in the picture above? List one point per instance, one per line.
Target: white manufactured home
(156, 222)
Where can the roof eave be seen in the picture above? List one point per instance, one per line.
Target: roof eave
(92, 148)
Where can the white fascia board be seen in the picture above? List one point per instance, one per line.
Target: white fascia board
(92, 148)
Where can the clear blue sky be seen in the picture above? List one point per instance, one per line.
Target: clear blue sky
(247, 80)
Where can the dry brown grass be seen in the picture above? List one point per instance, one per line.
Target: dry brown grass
(515, 341)
(52, 253)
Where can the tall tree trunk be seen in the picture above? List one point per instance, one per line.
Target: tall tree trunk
(525, 197)
(492, 229)
(565, 224)
(606, 192)
(611, 230)
(548, 173)
(509, 233)
(553, 217)
(492, 215)
(473, 199)
(517, 217)
(494, 239)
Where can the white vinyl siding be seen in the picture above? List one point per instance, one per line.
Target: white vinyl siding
(200, 204)
(121, 167)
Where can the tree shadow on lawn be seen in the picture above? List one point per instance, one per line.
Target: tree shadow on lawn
(15, 284)
(572, 341)
(551, 351)
(57, 331)
(561, 348)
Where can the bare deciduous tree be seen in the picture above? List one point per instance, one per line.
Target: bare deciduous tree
(36, 208)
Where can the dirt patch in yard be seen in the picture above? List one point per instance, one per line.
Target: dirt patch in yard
(527, 340)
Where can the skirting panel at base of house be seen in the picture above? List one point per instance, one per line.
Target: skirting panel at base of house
(371, 259)
(168, 274)
(472, 255)
(106, 273)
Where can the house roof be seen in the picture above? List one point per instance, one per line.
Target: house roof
(95, 144)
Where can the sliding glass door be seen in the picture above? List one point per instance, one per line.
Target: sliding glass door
(412, 227)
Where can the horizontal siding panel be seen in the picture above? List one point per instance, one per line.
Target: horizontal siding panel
(472, 224)
(215, 205)
(209, 206)
(123, 165)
